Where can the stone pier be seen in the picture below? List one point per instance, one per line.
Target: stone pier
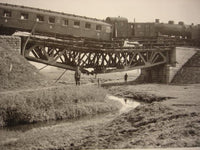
(166, 72)
(160, 73)
(157, 74)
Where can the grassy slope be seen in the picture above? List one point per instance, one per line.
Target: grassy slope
(16, 72)
(64, 102)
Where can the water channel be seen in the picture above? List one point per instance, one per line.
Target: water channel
(8, 134)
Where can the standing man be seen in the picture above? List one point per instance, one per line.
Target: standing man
(77, 75)
(125, 100)
(125, 77)
(98, 82)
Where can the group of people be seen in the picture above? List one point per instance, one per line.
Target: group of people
(77, 76)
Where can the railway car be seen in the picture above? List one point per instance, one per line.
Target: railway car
(124, 29)
(141, 30)
(171, 29)
(119, 26)
(20, 18)
(14, 17)
(195, 30)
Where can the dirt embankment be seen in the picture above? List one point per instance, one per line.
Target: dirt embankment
(16, 72)
(152, 125)
(190, 72)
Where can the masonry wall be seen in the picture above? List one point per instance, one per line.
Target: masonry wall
(157, 74)
(12, 41)
(183, 54)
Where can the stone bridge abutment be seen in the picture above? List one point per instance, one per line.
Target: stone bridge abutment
(160, 73)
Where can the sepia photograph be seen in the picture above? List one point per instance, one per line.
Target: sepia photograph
(100, 74)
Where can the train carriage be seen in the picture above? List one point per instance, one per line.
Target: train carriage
(13, 17)
(120, 26)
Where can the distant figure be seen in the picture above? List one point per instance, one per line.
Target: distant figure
(77, 76)
(125, 100)
(125, 77)
(95, 76)
(98, 82)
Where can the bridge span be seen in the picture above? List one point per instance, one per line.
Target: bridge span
(96, 58)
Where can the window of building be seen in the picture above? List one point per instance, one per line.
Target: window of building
(98, 27)
(7, 13)
(65, 22)
(87, 25)
(76, 23)
(39, 18)
(24, 16)
(52, 20)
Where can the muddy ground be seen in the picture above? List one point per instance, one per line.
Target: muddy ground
(170, 122)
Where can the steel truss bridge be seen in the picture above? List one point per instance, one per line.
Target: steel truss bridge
(100, 57)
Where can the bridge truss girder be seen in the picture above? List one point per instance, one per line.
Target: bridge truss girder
(101, 60)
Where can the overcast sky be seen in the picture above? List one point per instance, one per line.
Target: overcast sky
(142, 10)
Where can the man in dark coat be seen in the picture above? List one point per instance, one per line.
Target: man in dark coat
(125, 77)
(77, 76)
